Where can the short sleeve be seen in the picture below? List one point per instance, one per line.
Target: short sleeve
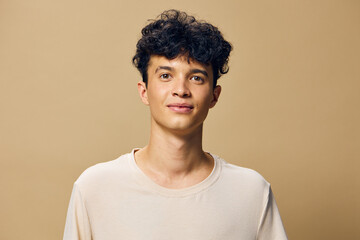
(271, 226)
(77, 226)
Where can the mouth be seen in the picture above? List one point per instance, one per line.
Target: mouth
(181, 107)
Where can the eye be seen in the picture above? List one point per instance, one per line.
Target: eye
(197, 79)
(165, 76)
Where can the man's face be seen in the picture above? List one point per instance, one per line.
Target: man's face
(179, 93)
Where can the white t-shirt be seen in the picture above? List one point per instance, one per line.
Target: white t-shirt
(116, 200)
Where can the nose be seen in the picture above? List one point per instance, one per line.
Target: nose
(181, 89)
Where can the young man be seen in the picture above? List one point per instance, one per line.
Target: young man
(171, 188)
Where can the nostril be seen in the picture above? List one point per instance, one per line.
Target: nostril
(181, 92)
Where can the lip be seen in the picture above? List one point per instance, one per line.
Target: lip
(181, 107)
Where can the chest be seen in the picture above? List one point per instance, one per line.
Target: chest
(202, 216)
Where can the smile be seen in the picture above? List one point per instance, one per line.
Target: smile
(180, 107)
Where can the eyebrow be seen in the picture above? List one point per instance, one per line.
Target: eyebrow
(195, 70)
(163, 67)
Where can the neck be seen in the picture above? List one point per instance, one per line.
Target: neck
(174, 157)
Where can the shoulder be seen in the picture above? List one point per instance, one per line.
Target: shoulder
(104, 172)
(242, 172)
(242, 177)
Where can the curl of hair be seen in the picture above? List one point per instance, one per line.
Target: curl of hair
(175, 33)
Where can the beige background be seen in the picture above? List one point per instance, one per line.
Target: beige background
(289, 106)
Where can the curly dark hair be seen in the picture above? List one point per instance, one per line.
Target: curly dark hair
(176, 33)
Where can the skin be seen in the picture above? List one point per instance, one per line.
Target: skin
(179, 94)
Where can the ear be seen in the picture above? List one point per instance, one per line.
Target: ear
(216, 94)
(143, 92)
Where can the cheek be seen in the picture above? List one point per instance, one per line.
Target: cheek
(157, 98)
(206, 98)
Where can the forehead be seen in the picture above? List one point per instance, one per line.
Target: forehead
(182, 61)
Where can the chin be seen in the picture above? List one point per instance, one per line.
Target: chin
(179, 127)
(183, 126)
(179, 124)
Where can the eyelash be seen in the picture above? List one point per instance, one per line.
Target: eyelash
(199, 79)
(162, 76)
